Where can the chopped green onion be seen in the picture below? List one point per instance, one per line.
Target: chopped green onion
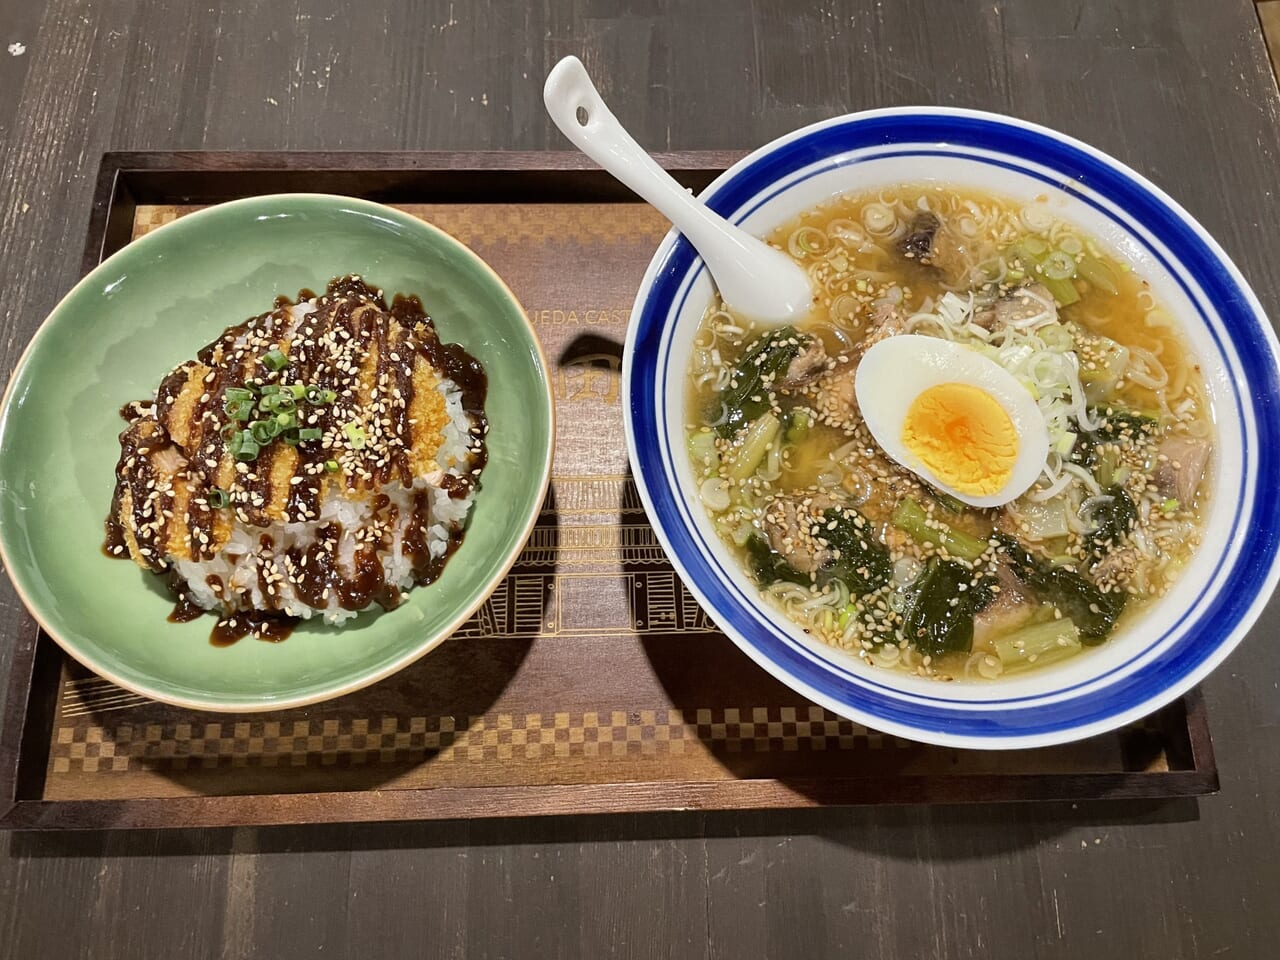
(270, 389)
(238, 409)
(291, 438)
(297, 390)
(310, 433)
(1169, 506)
(287, 421)
(230, 430)
(847, 614)
(264, 431)
(1036, 247)
(331, 466)
(355, 435)
(236, 442)
(273, 359)
(317, 396)
(280, 403)
(239, 393)
(248, 449)
(1059, 266)
(218, 498)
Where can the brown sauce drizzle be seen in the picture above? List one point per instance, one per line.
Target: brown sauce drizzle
(265, 625)
(185, 607)
(350, 311)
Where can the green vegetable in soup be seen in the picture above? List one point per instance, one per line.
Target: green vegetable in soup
(1063, 291)
(1044, 521)
(1105, 462)
(796, 426)
(702, 449)
(857, 559)
(939, 614)
(769, 566)
(864, 563)
(1052, 268)
(1038, 644)
(1099, 273)
(1115, 426)
(1114, 519)
(1094, 612)
(945, 500)
(1108, 361)
(754, 448)
(910, 517)
(747, 396)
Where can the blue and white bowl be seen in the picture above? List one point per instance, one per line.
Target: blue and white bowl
(1153, 659)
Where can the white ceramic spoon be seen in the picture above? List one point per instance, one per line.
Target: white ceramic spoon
(754, 279)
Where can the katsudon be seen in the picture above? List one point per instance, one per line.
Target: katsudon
(319, 459)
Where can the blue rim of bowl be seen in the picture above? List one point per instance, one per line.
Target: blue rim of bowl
(1219, 624)
(356, 206)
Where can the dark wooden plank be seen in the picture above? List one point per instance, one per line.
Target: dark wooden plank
(1179, 88)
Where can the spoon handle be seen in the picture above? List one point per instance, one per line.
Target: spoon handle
(752, 277)
(577, 109)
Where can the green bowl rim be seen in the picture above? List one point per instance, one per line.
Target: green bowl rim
(362, 680)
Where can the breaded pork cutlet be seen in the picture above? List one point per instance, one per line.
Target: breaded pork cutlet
(331, 424)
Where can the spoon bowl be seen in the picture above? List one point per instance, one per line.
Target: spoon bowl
(754, 279)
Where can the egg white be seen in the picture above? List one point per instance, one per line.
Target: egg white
(898, 369)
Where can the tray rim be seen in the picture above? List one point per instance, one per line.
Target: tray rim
(126, 179)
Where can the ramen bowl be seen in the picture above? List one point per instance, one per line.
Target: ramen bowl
(1154, 657)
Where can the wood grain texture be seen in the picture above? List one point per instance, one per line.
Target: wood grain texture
(1181, 89)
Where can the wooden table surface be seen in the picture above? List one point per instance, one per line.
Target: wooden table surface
(1180, 89)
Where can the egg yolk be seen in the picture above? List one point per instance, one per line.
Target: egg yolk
(964, 436)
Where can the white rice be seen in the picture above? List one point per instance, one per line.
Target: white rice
(237, 565)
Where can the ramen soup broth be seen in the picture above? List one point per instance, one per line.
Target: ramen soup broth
(872, 469)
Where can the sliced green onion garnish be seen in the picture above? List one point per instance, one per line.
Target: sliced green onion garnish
(239, 393)
(331, 466)
(297, 390)
(248, 449)
(317, 396)
(238, 409)
(287, 421)
(230, 430)
(310, 433)
(218, 498)
(273, 359)
(280, 403)
(271, 389)
(264, 431)
(355, 435)
(291, 438)
(1059, 266)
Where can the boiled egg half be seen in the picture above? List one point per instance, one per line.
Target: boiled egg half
(953, 417)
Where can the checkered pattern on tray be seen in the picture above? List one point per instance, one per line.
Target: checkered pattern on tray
(321, 742)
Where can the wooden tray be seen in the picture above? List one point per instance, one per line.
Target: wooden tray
(591, 681)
